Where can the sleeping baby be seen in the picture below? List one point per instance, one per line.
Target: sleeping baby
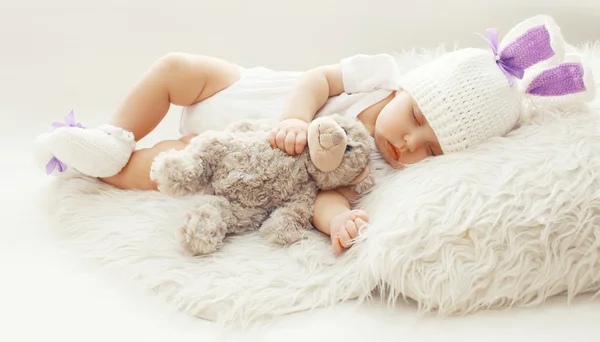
(448, 105)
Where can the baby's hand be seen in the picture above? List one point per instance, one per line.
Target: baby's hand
(290, 136)
(344, 227)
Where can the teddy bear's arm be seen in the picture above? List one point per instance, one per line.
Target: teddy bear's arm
(288, 223)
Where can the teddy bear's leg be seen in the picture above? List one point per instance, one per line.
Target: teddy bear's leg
(206, 226)
(288, 223)
(179, 172)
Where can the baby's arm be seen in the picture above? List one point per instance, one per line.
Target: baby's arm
(334, 217)
(308, 96)
(311, 92)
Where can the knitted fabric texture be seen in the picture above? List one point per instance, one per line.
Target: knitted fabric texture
(101, 152)
(564, 75)
(536, 42)
(469, 95)
(465, 97)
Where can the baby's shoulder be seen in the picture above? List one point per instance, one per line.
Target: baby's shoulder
(366, 73)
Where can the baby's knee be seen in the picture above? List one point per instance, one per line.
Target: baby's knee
(170, 61)
(173, 62)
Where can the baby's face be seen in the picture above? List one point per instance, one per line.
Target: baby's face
(402, 134)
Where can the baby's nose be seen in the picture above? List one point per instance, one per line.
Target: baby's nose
(411, 142)
(330, 134)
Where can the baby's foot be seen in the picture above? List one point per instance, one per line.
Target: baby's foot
(101, 152)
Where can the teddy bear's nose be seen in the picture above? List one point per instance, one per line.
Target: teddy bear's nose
(330, 134)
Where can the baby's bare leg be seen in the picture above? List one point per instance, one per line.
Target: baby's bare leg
(105, 152)
(178, 79)
(136, 174)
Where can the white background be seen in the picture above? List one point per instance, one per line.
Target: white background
(85, 55)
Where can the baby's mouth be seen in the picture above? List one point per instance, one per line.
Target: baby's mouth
(393, 151)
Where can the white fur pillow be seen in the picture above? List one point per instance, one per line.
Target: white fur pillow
(510, 223)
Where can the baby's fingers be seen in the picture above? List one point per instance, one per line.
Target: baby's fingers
(290, 143)
(280, 139)
(300, 142)
(359, 223)
(345, 239)
(337, 247)
(352, 229)
(359, 213)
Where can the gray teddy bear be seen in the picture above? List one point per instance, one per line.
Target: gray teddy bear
(253, 186)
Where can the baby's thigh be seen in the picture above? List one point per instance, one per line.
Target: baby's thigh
(186, 138)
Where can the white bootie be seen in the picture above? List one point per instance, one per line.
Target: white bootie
(47, 162)
(101, 152)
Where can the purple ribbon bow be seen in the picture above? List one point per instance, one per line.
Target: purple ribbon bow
(511, 71)
(53, 164)
(56, 163)
(69, 122)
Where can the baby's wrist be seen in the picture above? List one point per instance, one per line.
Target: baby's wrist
(298, 116)
(337, 211)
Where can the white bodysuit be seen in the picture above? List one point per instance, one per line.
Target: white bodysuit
(260, 93)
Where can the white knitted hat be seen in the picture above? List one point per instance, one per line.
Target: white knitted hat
(470, 95)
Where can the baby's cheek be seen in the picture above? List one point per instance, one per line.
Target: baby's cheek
(415, 157)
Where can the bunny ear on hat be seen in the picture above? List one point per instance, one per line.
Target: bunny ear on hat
(531, 42)
(536, 40)
(537, 47)
(569, 80)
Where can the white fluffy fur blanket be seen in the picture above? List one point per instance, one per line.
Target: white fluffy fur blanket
(510, 223)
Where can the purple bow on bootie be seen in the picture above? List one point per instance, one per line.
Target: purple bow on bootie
(53, 164)
(56, 163)
(69, 122)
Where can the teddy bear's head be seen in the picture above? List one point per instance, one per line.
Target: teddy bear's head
(339, 151)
